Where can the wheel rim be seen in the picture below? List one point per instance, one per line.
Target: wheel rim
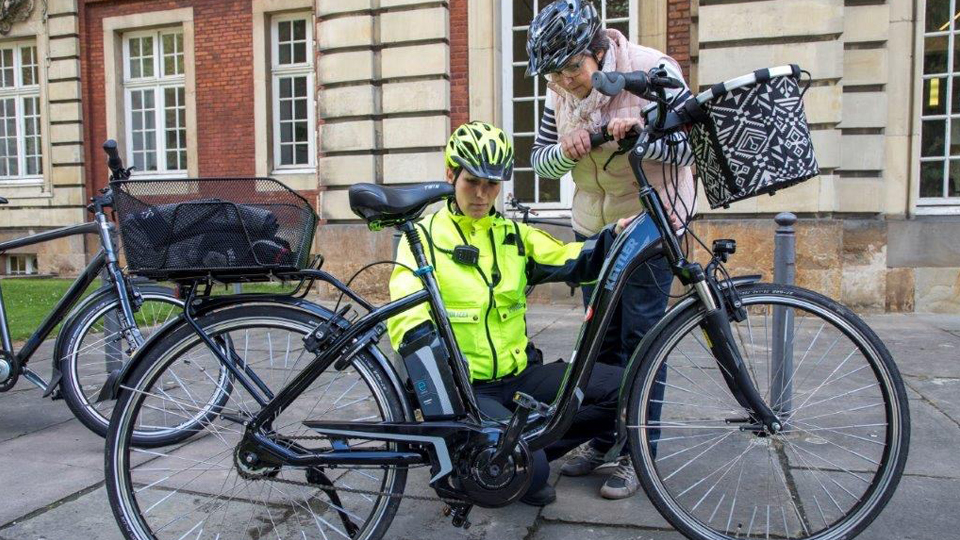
(101, 351)
(817, 483)
(231, 505)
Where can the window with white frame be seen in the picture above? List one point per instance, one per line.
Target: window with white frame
(940, 109)
(21, 265)
(21, 155)
(155, 101)
(523, 97)
(292, 90)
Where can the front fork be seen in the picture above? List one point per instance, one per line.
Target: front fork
(127, 326)
(719, 335)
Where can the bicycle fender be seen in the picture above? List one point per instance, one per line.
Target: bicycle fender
(636, 360)
(121, 376)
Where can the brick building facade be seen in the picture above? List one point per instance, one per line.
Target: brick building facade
(323, 94)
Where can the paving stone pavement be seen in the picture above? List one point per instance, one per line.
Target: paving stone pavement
(51, 468)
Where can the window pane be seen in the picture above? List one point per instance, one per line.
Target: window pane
(522, 86)
(935, 96)
(300, 30)
(933, 137)
(931, 179)
(523, 185)
(301, 155)
(285, 88)
(286, 110)
(299, 53)
(283, 30)
(286, 132)
(938, 15)
(955, 137)
(28, 61)
(519, 44)
(935, 55)
(286, 154)
(523, 117)
(300, 86)
(618, 8)
(301, 109)
(953, 185)
(6, 66)
(549, 190)
(522, 146)
(300, 131)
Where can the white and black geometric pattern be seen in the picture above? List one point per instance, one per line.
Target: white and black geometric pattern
(756, 141)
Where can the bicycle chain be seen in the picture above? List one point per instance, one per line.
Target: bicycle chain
(362, 491)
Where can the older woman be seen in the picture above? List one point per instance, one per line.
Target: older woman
(567, 44)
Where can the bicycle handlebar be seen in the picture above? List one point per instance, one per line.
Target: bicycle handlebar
(114, 162)
(602, 136)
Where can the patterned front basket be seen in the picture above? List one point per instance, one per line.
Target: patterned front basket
(752, 136)
(227, 228)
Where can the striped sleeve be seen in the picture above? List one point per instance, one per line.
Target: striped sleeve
(547, 158)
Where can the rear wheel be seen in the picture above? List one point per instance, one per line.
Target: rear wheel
(847, 425)
(202, 489)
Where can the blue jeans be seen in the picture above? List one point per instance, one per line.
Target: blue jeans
(642, 305)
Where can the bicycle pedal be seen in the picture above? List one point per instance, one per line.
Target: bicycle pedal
(530, 403)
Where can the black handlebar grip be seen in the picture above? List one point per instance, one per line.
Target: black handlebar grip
(596, 139)
(113, 157)
(608, 83)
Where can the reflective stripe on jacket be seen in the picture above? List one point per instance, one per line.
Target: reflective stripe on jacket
(486, 304)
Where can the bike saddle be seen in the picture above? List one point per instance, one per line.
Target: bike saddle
(3, 201)
(382, 206)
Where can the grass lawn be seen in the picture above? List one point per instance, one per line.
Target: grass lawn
(29, 300)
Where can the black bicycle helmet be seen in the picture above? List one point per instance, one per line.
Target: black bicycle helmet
(559, 32)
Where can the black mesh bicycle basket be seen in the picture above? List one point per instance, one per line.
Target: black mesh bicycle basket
(219, 227)
(751, 136)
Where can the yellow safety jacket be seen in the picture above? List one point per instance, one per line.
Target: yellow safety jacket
(486, 303)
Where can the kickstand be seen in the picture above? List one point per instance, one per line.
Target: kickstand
(459, 513)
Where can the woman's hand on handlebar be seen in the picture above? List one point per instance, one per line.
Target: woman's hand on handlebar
(619, 128)
(622, 223)
(576, 144)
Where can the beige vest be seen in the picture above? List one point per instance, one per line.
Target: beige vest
(603, 196)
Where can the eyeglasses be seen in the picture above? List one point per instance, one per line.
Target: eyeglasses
(572, 69)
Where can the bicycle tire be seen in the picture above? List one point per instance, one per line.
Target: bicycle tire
(660, 422)
(123, 474)
(77, 352)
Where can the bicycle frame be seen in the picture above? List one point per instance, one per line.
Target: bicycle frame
(105, 258)
(648, 236)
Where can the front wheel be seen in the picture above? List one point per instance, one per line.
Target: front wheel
(833, 384)
(92, 345)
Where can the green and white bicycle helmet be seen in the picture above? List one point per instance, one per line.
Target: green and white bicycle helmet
(481, 149)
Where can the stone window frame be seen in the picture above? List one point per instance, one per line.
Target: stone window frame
(19, 92)
(158, 83)
(510, 65)
(114, 30)
(263, 12)
(280, 71)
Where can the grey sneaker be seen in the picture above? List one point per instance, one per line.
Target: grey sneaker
(583, 462)
(622, 483)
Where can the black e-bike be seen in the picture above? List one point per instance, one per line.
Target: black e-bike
(751, 410)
